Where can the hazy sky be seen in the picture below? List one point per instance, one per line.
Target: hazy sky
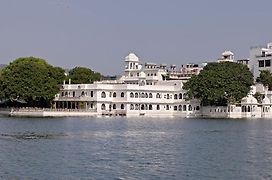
(99, 33)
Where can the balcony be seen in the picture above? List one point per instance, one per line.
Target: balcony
(68, 98)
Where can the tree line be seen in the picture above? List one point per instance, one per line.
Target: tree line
(32, 82)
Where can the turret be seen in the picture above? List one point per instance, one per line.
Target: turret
(132, 62)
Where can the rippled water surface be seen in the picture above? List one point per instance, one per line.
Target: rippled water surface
(135, 148)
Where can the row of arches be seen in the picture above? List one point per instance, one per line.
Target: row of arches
(144, 95)
(179, 96)
(111, 107)
(79, 94)
(158, 95)
(151, 107)
(114, 94)
(246, 109)
(140, 95)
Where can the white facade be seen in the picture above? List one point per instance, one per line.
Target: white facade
(142, 90)
(260, 59)
(227, 56)
(248, 108)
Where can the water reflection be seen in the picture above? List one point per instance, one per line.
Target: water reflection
(123, 148)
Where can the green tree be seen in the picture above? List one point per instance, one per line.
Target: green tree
(265, 78)
(32, 80)
(220, 83)
(82, 75)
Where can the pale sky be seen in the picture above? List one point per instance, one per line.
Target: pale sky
(99, 33)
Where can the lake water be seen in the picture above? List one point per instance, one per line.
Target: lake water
(135, 148)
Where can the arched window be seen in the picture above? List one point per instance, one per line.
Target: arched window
(136, 95)
(114, 94)
(62, 94)
(197, 108)
(168, 96)
(180, 107)
(180, 95)
(184, 108)
(190, 108)
(150, 106)
(114, 106)
(136, 107)
(158, 95)
(142, 95)
(175, 108)
(150, 95)
(131, 107)
(122, 106)
(74, 93)
(158, 107)
(184, 96)
(122, 94)
(103, 107)
(175, 96)
(131, 95)
(142, 107)
(103, 95)
(167, 107)
(82, 93)
(66, 94)
(248, 108)
(146, 95)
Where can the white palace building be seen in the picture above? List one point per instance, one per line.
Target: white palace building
(143, 90)
(155, 90)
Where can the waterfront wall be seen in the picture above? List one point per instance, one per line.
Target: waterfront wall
(35, 112)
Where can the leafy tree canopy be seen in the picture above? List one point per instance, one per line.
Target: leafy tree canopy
(82, 75)
(220, 83)
(265, 78)
(32, 80)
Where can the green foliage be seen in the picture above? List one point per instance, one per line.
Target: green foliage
(32, 80)
(82, 75)
(220, 83)
(265, 78)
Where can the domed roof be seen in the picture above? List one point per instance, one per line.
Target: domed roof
(142, 74)
(132, 57)
(227, 53)
(249, 100)
(266, 100)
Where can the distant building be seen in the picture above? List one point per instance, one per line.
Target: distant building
(260, 59)
(227, 56)
(185, 72)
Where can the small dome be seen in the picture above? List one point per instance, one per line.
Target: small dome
(132, 57)
(227, 53)
(249, 100)
(266, 100)
(142, 74)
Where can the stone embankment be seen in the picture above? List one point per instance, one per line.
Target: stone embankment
(45, 112)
